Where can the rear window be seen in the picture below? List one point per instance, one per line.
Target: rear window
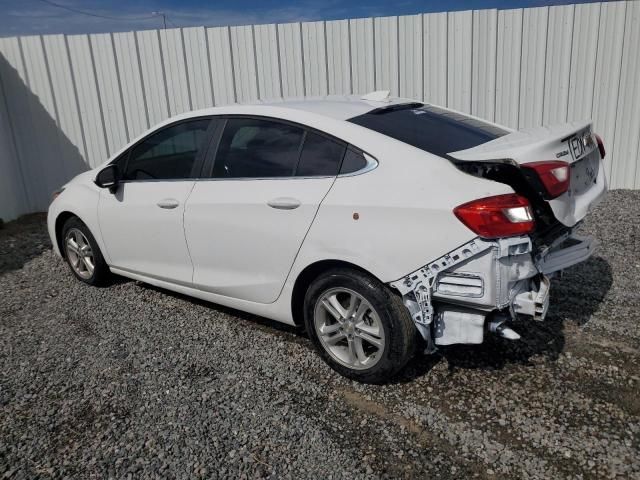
(429, 128)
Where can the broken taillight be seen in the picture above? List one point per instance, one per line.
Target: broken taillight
(603, 152)
(555, 175)
(500, 216)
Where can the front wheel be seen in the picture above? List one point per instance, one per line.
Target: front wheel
(359, 326)
(83, 254)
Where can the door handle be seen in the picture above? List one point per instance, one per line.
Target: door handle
(284, 203)
(168, 203)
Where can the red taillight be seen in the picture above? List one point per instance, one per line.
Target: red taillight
(603, 152)
(555, 175)
(500, 216)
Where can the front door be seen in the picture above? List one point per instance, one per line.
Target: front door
(142, 221)
(246, 224)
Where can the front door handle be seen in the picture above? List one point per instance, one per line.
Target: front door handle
(284, 203)
(168, 203)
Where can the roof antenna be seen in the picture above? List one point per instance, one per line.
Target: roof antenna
(377, 96)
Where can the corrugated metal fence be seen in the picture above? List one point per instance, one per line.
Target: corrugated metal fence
(67, 102)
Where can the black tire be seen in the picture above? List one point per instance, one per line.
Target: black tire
(399, 330)
(101, 273)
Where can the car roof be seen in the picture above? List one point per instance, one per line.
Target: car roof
(340, 107)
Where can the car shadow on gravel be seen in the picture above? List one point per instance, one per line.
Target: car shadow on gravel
(293, 332)
(575, 298)
(22, 240)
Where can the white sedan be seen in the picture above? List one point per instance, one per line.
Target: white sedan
(378, 224)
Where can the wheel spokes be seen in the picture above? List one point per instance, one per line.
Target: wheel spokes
(88, 263)
(329, 329)
(371, 339)
(348, 328)
(73, 246)
(80, 254)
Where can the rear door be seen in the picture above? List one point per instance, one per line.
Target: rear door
(142, 221)
(245, 225)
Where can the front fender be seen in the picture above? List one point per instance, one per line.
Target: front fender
(81, 200)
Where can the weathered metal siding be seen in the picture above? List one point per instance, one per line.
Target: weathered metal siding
(71, 101)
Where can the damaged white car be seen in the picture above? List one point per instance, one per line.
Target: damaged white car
(379, 224)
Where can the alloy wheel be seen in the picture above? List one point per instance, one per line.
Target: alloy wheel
(349, 328)
(79, 253)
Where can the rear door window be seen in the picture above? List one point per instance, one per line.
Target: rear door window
(429, 128)
(353, 161)
(256, 148)
(320, 156)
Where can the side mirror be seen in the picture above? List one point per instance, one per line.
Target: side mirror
(108, 177)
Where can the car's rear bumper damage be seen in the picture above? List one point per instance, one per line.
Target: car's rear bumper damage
(477, 287)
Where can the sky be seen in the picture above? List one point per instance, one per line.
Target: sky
(29, 17)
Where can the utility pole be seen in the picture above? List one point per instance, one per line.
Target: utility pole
(164, 18)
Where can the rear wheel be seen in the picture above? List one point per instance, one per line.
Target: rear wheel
(83, 254)
(359, 326)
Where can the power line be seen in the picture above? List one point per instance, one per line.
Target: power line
(82, 12)
(171, 22)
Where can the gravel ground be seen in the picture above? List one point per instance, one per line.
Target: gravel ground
(130, 380)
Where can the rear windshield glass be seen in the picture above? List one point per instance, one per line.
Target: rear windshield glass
(429, 128)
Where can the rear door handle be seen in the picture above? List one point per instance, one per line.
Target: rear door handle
(284, 203)
(168, 203)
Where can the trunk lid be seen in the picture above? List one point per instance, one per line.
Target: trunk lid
(573, 143)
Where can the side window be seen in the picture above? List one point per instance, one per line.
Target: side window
(168, 154)
(353, 161)
(254, 148)
(320, 156)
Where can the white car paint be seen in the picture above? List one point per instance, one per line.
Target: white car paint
(241, 246)
(224, 244)
(142, 229)
(549, 143)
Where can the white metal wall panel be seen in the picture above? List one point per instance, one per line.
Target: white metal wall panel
(435, 58)
(114, 123)
(88, 99)
(508, 53)
(386, 54)
(314, 48)
(362, 58)
(532, 71)
(459, 52)
(483, 68)
(291, 61)
(64, 94)
(558, 64)
(338, 57)
(131, 90)
(13, 199)
(87, 95)
(607, 76)
(16, 95)
(197, 61)
(411, 57)
(583, 60)
(624, 172)
(44, 163)
(244, 63)
(267, 61)
(153, 76)
(175, 70)
(221, 61)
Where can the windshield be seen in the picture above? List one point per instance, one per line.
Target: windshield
(429, 128)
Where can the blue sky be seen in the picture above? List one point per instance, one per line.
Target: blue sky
(26, 17)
